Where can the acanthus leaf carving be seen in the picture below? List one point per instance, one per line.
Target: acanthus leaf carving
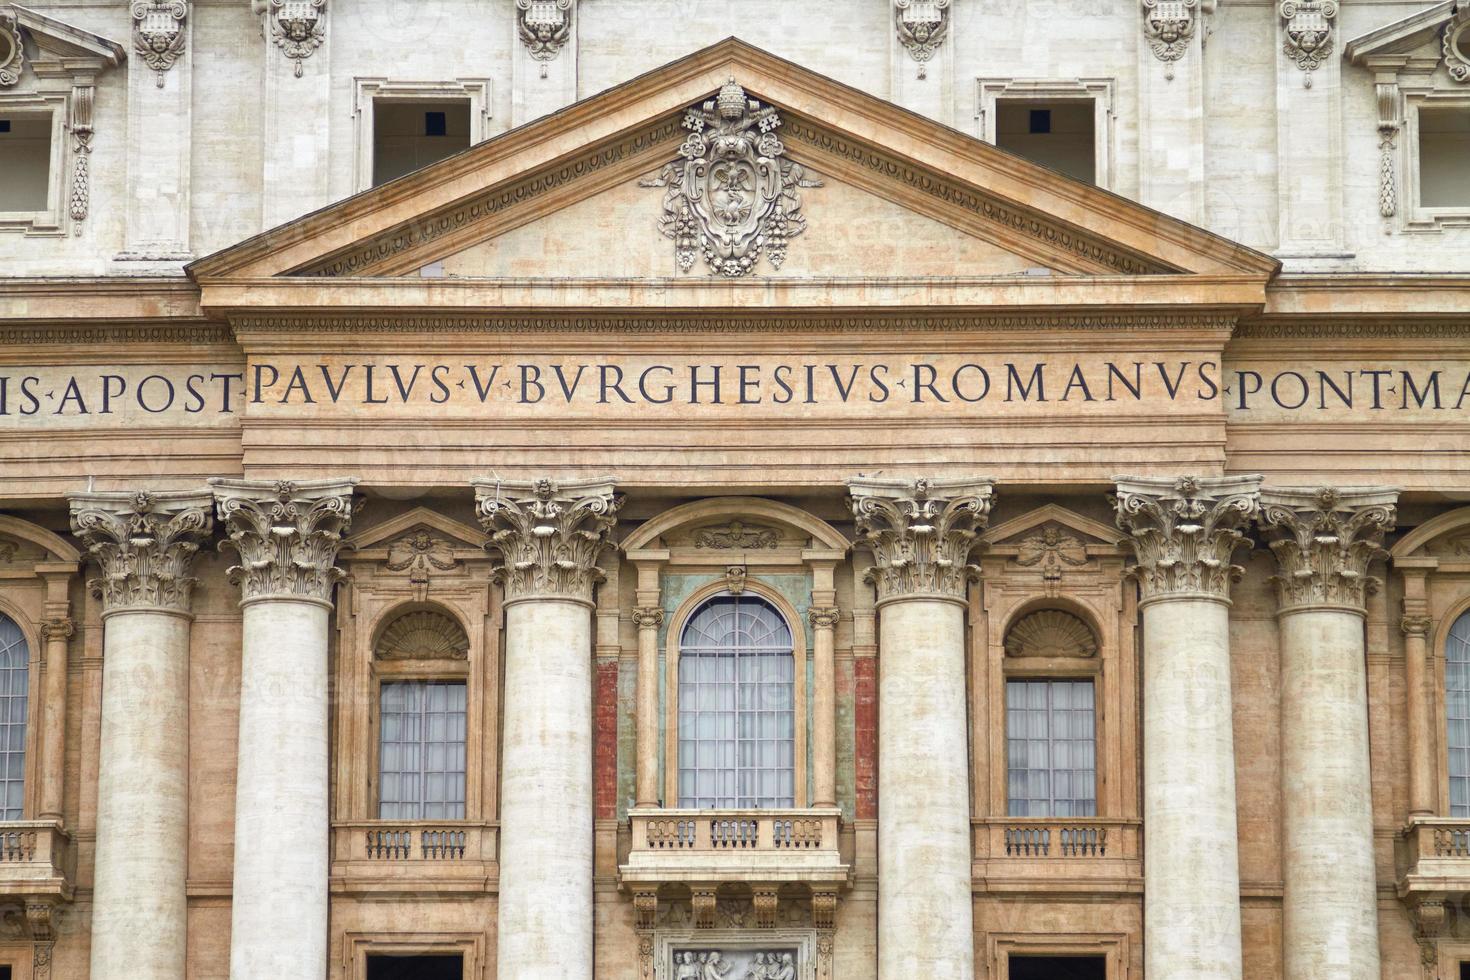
(287, 535)
(1168, 27)
(921, 533)
(922, 26)
(158, 33)
(734, 195)
(1309, 26)
(419, 553)
(1184, 531)
(1324, 540)
(298, 28)
(737, 534)
(145, 544)
(544, 27)
(12, 54)
(549, 535)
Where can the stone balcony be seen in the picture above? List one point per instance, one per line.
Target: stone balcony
(716, 847)
(1089, 855)
(1434, 859)
(390, 856)
(33, 856)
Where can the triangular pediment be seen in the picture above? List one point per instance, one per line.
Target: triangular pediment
(454, 537)
(1407, 35)
(864, 189)
(60, 44)
(1067, 529)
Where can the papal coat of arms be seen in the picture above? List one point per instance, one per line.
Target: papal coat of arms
(733, 195)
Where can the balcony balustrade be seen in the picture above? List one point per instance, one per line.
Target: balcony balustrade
(33, 856)
(1085, 854)
(715, 846)
(1434, 859)
(430, 856)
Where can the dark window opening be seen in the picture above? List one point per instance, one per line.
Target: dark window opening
(1058, 967)
(4, 973)
(435, 966)
(1060, 135)
(4, 125)
(410, 135)
(1465, 970)
(25, 161)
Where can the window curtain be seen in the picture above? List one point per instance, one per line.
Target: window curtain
(1051, 748)
(421, 757)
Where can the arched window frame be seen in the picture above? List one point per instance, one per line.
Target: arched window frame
(1439, 638)
(1448, 644)
(800, 655)
(35, 652)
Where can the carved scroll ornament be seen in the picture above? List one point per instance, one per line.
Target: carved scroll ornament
(12, 55)
(734, 195)
(922, 26)
(1457, 45)
(549, 535)
(1185, 531)
(1324, 540)
(298, 28)
(145, 544)
(287, 535)
(544, 27)
(1309, 25)
(921, 533)
(1168, 26)
(158, 33)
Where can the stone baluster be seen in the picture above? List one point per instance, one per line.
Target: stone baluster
(1324, 540)
(287, 536)
(1184, 532)
(921, 534)
(549, 536)
(145, 544)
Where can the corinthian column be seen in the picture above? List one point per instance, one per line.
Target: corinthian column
(1324, 540)
(145, 544)
(287, 536)
(549, 536)
(1184, 532)
(921, 534)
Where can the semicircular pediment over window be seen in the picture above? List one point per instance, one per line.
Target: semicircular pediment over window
(1050, 633)
(423, 634)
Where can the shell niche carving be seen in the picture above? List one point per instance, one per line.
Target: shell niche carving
(423, 635)
(1050, 633)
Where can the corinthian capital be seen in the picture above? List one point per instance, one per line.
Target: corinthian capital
(921, 532)
(1185, 530)
(287, 535)
(549, 534)
(1324, 539)
(145, 544)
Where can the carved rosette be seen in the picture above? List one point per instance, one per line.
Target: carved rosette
(922, 26)
(549, 534)
(1168, 26)
(145, 544)
(544, 27)
(734, 195)
(1184, 531)
(921, 533)
(1324, 540)
(286, 534)
(12, 55)
(298, 28)
(158, 33)
(1308, 25)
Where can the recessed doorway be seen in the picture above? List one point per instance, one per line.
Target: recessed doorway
(1058, 967)
(424, 966)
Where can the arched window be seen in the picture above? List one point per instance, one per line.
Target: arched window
(1457, 714)
(14, 689)
(737, 711)
(422, 702)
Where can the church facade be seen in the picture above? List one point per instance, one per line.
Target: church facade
(665, 490)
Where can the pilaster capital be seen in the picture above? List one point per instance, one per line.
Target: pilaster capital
(1416, 626)
(648, 617)
(287, 535)
(549, 534)
(145, 543)
(1185, 530)
(60, 628)
(1324, 539)
(921, 533)
(824, 617)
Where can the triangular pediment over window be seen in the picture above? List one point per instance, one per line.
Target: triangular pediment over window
(730, 169)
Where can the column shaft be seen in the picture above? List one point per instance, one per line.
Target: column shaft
(1191, 870)
(646, 696)
(53, 731)
(824, 708)
(140, 912)
(1416, 673)
(278, 918)
(545, 903)
(1330, 926)
(925, 911)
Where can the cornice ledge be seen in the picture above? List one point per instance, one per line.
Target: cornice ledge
(1426, 328)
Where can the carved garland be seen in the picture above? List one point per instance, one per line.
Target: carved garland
(158, 33)
(1168, 26)
(287, 535)
(735, 194)
(922, 26)
(1324, 541)
(1308, 26)
(921, 535)
(82, 98)
(737, 534)
(1185, 531)
(12, 54)
(298, 28)
(145, 545)
(549, 536)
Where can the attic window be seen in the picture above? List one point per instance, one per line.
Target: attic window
(1060, 135)
(25, 160)
(1444, 157)
(408, 135)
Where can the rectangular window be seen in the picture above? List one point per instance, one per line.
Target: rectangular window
(1057, 967)
(1051, 748)
(1444, 156)
(408, 135)
(25, 161)
(1060, 135)
(421, 756)
(431, 966)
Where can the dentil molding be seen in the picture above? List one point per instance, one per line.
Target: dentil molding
(549, 534)
(921, 533)
(1185, 530)
(145, 544)
(287, 535)
(1324, 539)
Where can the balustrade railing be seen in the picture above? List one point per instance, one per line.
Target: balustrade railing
(1434, 858)
(34, 858)
(721, 830)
